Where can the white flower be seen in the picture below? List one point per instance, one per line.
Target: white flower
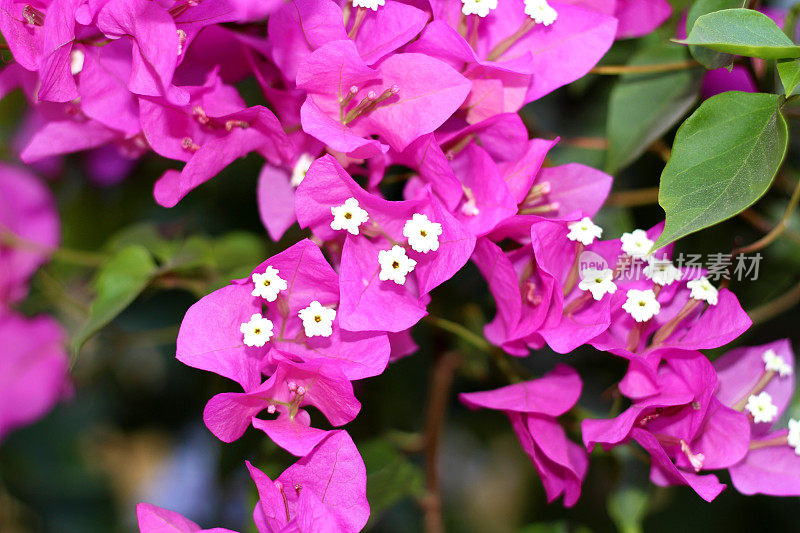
(395, 264)
(598, 282)
(584, 231)
(661, 271)
(268, 284)
(422, 234)
(775, 363)
(793, 438)
(317, 320)
(301, 168)
(761, 407)
(540, 11)
(258, 331)
(369, 4)
(641, 305)
(76, 61)
(478, 7)
(702, 289)
(348, 216)
(636, 244)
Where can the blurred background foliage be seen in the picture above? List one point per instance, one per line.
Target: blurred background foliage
(134, 432)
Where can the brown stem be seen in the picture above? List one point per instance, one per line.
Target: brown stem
(66, 255)
(442, 375)
(473, 33)
(644, 69)
(766, 377)
(633, 198)
(572, 277)
(775, 307)
(775, 232)
(587, 143)
(503, 46)
(777, 441)
(763, 225)
(667, 329)
(361, 12)
(661, 149)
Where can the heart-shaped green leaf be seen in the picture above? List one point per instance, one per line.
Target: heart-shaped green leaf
(118, 282)
(742, 32)
(709, 58)
(724, 158)
(789, 72)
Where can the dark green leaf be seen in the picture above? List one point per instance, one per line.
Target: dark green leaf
(644, 106)
(117, 283)
(724, 159)
(628, 508)
(236, 254)
(709, 58)
(789, 72)
(742, 32)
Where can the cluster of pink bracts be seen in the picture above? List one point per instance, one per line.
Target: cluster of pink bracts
(361, 89)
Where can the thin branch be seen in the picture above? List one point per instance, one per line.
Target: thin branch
(633, 198)
(775, 232)
(459, 331)
(773, 308)
(763, 225)
(442, 375)
(654, 68)
(65, 255)
(588, 143)
(511, 371)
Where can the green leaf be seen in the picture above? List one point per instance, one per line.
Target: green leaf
(724, 159)
(789, 72)
(628, 508)
(706, 57)
(117, 283)
(742, 32)
(390, 476)
(644, 106)
(237, 253)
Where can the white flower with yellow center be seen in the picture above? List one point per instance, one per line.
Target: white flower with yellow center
(793, 438)
(702, 289)
(761, 407)
(584, 231)
(369, 4)
(636, 244)
(395, 265)
(422, 234)
(598, 282)
(348, 216)
(775, 363)
(257, 331)
(641, 305)
(268, 284)
(478, 7)
(661, 271)
(540, 11)
(301, 169)
(317, 320)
